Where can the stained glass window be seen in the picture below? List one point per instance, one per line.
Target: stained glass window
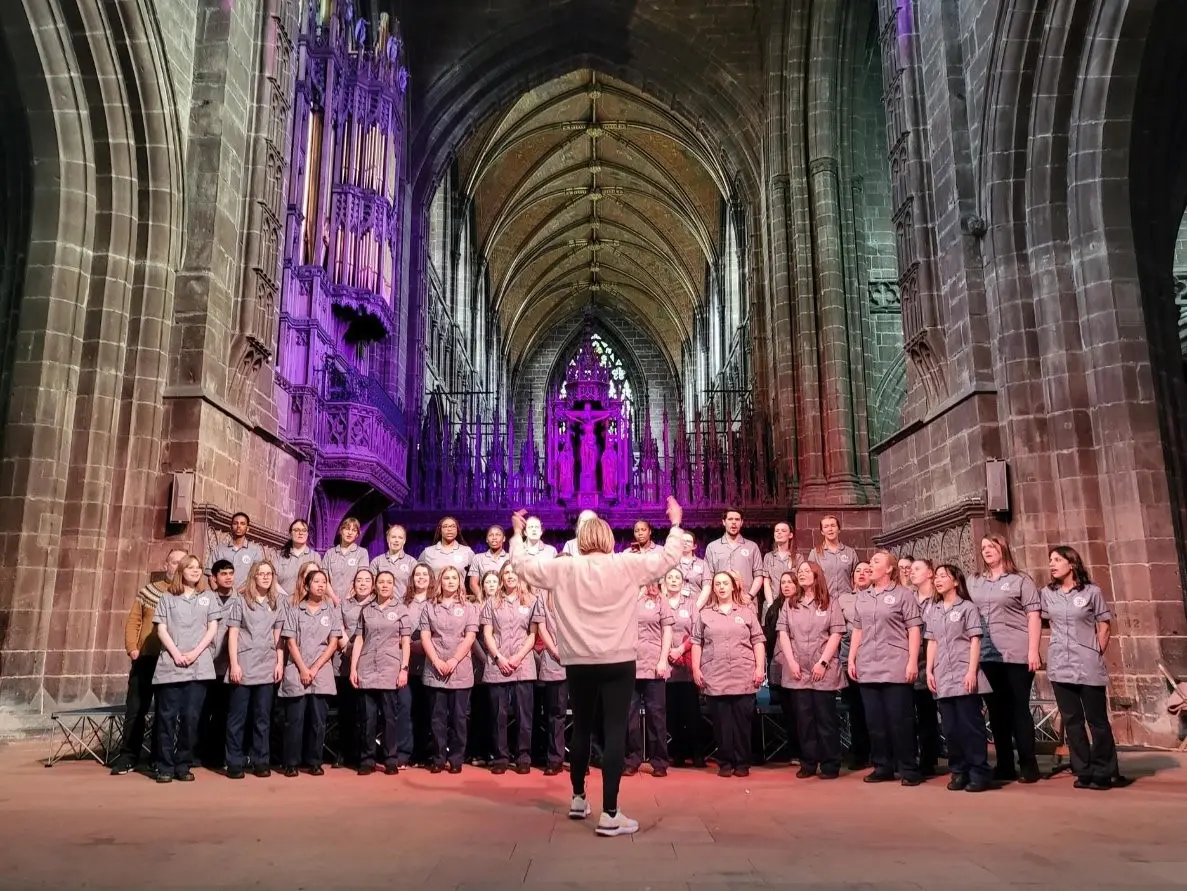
(620, 385)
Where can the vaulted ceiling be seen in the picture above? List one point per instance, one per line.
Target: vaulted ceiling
(589, 191)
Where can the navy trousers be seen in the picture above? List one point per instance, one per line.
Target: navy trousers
(179, 709)
(513, 699)
(249, 706)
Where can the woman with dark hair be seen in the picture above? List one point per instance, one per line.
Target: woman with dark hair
(921, 574)
(1079, 619)
(295, 553)
(836, 559)
(953, 656)
(1009, 605)
(449, 548)
(788, 588)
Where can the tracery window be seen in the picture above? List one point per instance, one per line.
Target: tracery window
(620, 385)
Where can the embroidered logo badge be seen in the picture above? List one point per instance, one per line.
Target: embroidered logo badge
(738, 620)
(684, 614)
(458, 611)
(844, 558)
(888, 599)
(403, 567)
(1080, 601)
(246, 558)
(353, 561)
(745, 552)
(392, 616)
(954, 616)
(203, 601)
(649, 604)
(523, 610)
(325, 621)
(822, 612)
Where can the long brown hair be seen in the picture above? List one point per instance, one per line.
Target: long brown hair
(1009, 567)
(819, 585)
(735, 587)
(522, 590)
(437, 532)
(305, 570)
(252, 590)
(439, 590)
(957, 575)
(177, 583)
(410, 591)
(304, 584)
(820, 547)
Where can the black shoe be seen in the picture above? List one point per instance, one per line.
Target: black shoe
(455, 768)
(366, 770)
(725, 771)
(1120, 782)
(187, 777)
(1082, 783)
(552, 770)
(164, 778)
(523, 769)
(742, 771)
(391, 770)
(436, 768)
(629, 771)
(315, 771)
(1004, 773)
(262, 772)
(1101, 785)
(236, 773)
(499, 769)
(958, 783)
(1029, 775)
(120, 766)
(876, 777)
(830, 775)
(804, 772)
(659, 772)
(912, 781)
(978, 787)
(291, 772)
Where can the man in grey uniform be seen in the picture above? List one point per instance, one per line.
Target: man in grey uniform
(241, 553)
(734, 553)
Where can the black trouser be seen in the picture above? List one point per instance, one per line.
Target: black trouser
(684, 721)
(556, 703)
(381, 716)
(859, 733)
(651, 694)
(305, 730)
(890, 716)
(212, 726)
(819, 729)
(927, 728)
(351, 718)
(137, 704)
(481, 723)
(1081, 704)
(451, 724)
(514, 699)
(1009, 715)
(256, 699)
(610, 687)
(964, 729)
(417, 748)
(789, 720)
(276, 734)
(179, 707)
(733, 721)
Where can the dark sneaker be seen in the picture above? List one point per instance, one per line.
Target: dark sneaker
(523, 769)
(1029, 775)
(391, 770)
(291, 772)
(876, 777)
(742, 771)
(236, 773)
(629, 771)
(436, 768)
(725, 771)
(912, 781)
(552, 770)
(187, 777)
(958, 784)
(660, 772)
(316, 771)
(366, 770)
(804, 772)
(164, 778)
(1082, 783)
(121, 766)
(455, 768)
(978, 787)
(499, 769)
(262, 772)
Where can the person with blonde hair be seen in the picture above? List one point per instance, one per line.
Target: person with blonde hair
(448, 627)
(594, 594)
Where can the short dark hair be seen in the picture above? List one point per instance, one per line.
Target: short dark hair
(733, 510)
(220, 565)
(240, 513)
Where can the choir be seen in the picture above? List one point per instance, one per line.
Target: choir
(456, 656)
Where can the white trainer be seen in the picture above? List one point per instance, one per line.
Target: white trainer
(620, 824)
(579, 808)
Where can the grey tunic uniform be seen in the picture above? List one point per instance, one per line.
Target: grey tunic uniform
(487, 562)
(1073, 655)
(727, 643)
(400, 567)
(570, 548)
(652, 615)
(953, 628)
(1004, 604)
(243, 559)
(416, 665)
(448, 623)
(257, 624)
(884, 617)
(350, 609)
(510, 625)
(343, 565)
(684, 615)
(539, 549)
(313, 632)
(437, 558)
(809, 629)
(288, 567)
(743, 557)
(848, 604)
(775, 564)
(838, 568)
(218, 646)
(548, 669)
(382, 628)
(186, 616)
(695, 572)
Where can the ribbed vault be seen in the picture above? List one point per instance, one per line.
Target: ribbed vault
(589, 191)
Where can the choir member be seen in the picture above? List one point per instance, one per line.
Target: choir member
(533, 546)
(413, 736)
(593, 594)
(448, 627)
(836, 559)
(570, 546)
(655, 620)
(449, 548)
(493, 559)
(482, 714)
(733, 553)
(905, 563)
(683, 700)
(810, 632)
(186, 620)
(509, 621)
(884, 658)
(641, 537)
(351, 714)
(953, 632)
(859, 734)
(729, 664)
(212, 725)
(395, 559)
(1080, 625)
(379, 660)
(344, 560)
(1008, 602)
(694, 569)
(921, 574)
(312, 633)
(241, 553)
(551, 676)
(254, 620)
(783, 558)
(295, 553)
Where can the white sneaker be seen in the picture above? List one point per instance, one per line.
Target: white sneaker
(579, 808)
(618, 825)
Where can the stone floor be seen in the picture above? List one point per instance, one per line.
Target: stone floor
(75, 826)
